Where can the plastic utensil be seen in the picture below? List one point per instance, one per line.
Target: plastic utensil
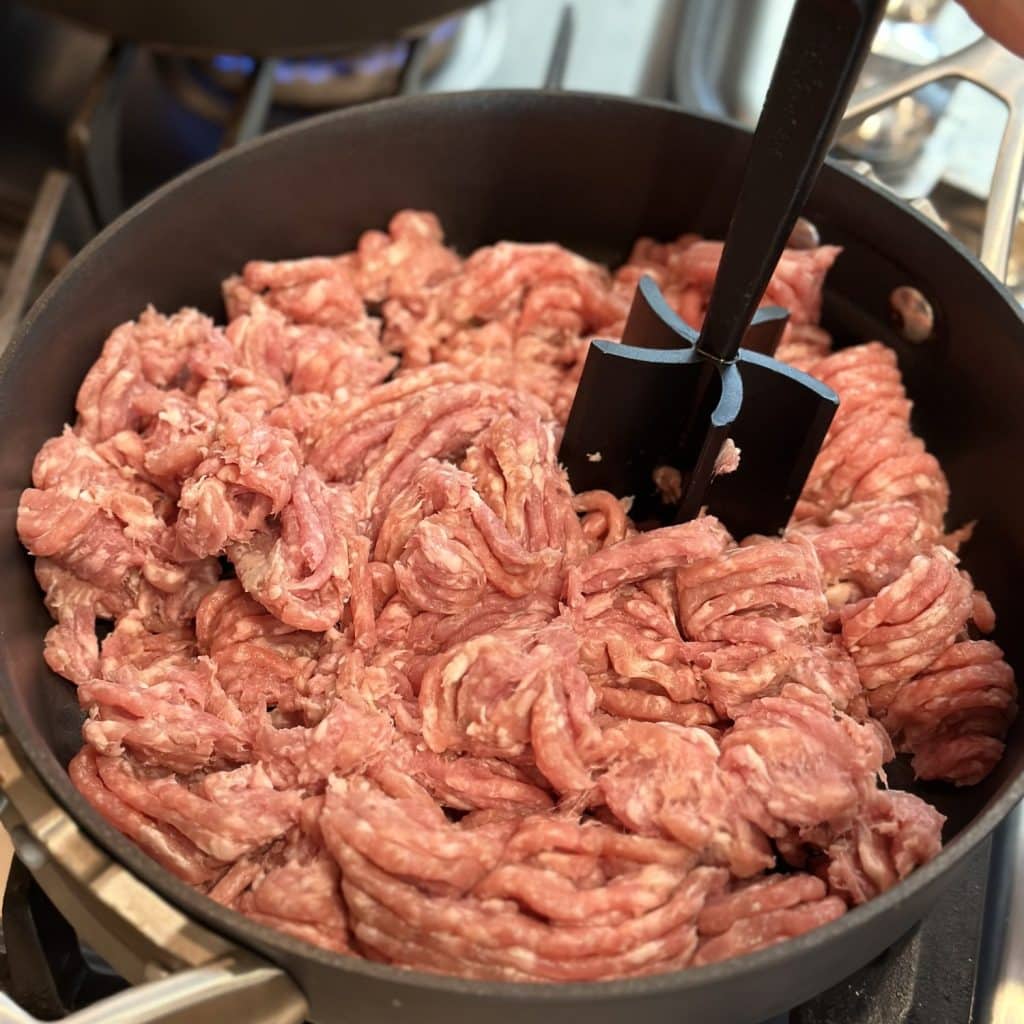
(651, 415)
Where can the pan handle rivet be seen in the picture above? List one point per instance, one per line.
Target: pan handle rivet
(669, 483)
(912, 313)
(804, 235)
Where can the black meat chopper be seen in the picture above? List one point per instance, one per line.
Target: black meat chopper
(651, 415)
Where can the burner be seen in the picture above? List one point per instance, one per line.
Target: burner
(322, 83)
(211, 87)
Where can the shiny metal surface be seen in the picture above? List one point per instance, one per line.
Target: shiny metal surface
(997, 71)
(914, 10)
(897, 134)
(240, 989)
(58, 197)
(725, 57)
(901, 139)
(999, 998)
(724, 60)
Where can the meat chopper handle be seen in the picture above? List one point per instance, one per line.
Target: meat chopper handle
(825, 45)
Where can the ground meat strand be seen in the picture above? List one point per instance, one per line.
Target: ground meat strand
(759, 914)
(953, 716)
(445, 908)
(864, 548)
(894, 834)
(910, 622)
(869, 453)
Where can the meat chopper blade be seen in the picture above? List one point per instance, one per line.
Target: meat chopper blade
(651, 415)
(625, 441)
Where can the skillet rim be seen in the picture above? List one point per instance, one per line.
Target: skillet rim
(239, 929)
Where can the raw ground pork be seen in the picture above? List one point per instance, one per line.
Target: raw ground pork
(378, 678)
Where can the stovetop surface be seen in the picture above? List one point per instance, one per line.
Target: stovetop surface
(926, 977)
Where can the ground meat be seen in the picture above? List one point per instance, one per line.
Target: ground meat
(261, 662)
(246, 478)
(294, 888)
(509, 898)
(801, 763)
(309, 291)
(766, 602)
(509, 695)
(507, 304)
(864, 548)
(894, 833)
(762, 592)
(645, 554)
(870, 453)
(165, 844)
(378, 679)
(170, 713)
(685, 272)
(305, 567)
(449, 548)
(104, 540)
(665, 780)
(759, 914)
(910, 622)
(630, 639)
(138, 359)
(953, 716)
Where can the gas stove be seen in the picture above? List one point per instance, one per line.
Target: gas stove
(95, 124)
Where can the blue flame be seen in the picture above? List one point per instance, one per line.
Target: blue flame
(317, 70)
